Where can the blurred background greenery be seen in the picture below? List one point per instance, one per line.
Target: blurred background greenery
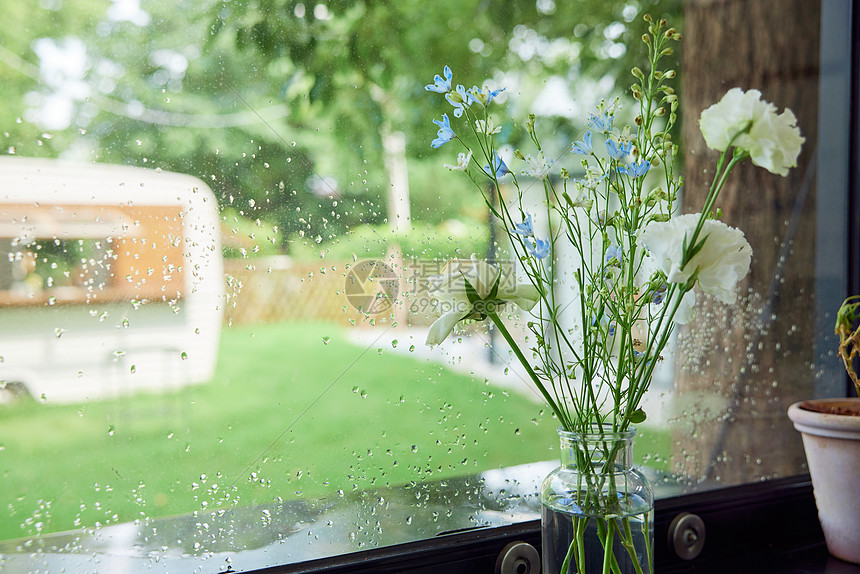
(283, 107)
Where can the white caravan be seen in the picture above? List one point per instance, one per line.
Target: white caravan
(111, 279)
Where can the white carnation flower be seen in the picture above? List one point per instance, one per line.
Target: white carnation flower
(449, 289)
(723, 120)
(723, 260)
(772, 140)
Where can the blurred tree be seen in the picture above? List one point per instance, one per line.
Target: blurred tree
(282, 106)
(733, 410)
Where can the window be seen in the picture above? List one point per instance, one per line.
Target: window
(216, 225)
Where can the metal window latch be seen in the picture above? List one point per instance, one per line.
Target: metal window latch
(687, 535)
(518, 558)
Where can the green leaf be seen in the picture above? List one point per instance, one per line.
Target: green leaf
(471, 293)
(495, 290)
(637, 416)
(492, 209)
(695, 248)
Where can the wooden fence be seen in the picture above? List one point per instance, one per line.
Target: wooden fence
(276, 289)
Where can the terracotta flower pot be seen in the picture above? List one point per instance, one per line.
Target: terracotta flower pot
(832, 445)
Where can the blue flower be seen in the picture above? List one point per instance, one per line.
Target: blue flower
(445, 133)
(540, 249)
(618, 153)
(659, 294)
(442, 86)
(582, 147)
(640, 356)
(494, 94)
(524, 228)
(604, 322)
(483, 96)
(636, 169)
(459, 99)
(498, 168)
(572, 506)
(614, 252)
(602, 123)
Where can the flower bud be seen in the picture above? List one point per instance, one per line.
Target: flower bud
(564, 173)
(658, 74)
(519, 155)
(658, 193)
(638, 120)
(671, 32)
(660, 217)
(670, 74)
(637, 73)
(646, 38)
(667, 52)
(661, 111)
(668, 90)
(530, 124)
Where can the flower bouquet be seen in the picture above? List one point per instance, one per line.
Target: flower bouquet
(612, 211)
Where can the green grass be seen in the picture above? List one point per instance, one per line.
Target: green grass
(387, 419)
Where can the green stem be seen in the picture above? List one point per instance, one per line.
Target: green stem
(646, 534)
(606, 533)
(582, 523)
(575, 544)
(627, 543)
(713, 193)
(565, 422)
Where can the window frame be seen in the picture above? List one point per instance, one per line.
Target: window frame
(777, 515)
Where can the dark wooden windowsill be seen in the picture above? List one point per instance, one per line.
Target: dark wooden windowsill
(762, 528)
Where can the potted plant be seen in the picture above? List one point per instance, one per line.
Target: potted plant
(831, 438)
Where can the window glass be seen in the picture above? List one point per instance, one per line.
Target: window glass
(217, 224)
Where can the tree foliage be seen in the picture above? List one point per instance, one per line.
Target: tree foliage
(281, 105)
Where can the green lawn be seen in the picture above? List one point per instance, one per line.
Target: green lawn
(387, 419)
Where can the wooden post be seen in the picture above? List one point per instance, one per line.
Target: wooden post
(739, 368)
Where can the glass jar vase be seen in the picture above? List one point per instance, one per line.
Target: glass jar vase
(596, 508)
